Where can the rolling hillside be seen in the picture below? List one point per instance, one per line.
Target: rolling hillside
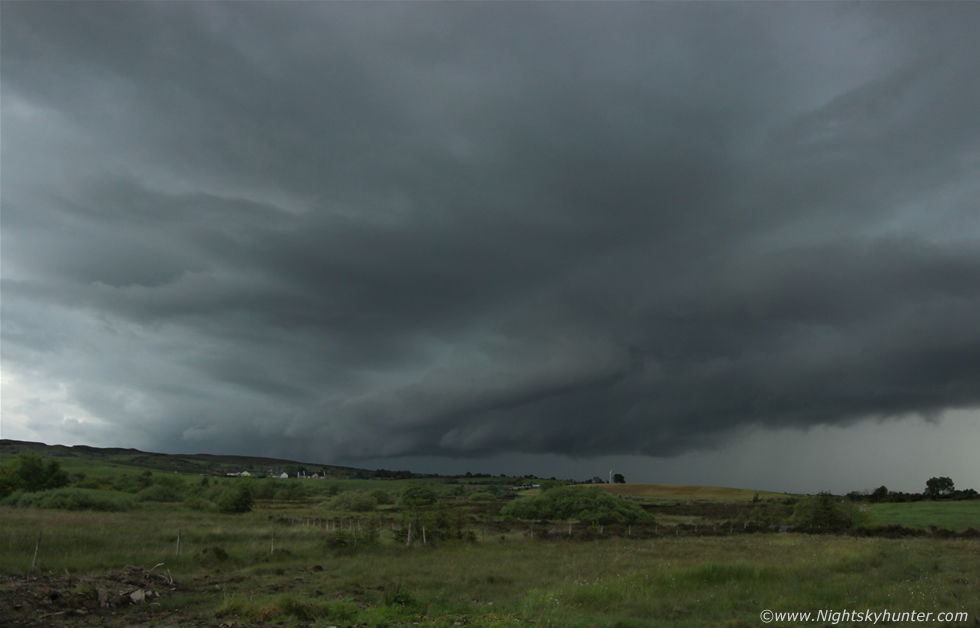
(208, 464)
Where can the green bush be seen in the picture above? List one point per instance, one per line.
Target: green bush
(482, 497)
(417, 496)
(382, 497)
(825, 511)
(29, 472)
(291, 490)
(73, 499)
(238, 498)
(266, 489)
(583, 504)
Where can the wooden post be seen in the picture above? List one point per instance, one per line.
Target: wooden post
(408, 538)
(423, 535)
(272, 548)
(37, 546)
(178, 543)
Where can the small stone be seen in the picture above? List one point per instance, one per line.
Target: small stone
(137, 596)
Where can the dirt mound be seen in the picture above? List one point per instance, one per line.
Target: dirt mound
(41, 600)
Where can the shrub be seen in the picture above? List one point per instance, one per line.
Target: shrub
(417, 496)
(824, 511)
(482, 497)
(575, 503)
(266, 489)
(382, 497)
(238, 498)
(159, 493)
(29, 472)
(291, 491)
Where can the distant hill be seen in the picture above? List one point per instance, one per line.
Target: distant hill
(208, 464)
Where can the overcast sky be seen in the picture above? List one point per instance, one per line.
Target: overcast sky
(703, 243)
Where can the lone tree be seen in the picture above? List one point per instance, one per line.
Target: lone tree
(939, 487)
(619, 479)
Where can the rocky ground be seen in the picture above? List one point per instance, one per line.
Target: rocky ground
(130, 597)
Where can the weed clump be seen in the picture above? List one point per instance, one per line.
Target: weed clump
(212, 555)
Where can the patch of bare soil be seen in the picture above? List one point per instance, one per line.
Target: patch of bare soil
(127, 597)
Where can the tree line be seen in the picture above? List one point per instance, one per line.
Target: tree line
(937, 488)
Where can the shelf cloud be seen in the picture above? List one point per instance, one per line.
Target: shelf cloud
(351, 232)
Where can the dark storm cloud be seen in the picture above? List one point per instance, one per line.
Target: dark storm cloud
(459, 229)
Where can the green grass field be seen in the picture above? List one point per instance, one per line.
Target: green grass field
(700, 557)
(954, 515)
(501, 580)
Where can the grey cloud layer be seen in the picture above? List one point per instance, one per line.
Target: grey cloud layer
(437, 229)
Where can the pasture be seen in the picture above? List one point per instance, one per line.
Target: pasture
(953, 515)
(294, 566)
(162, 551)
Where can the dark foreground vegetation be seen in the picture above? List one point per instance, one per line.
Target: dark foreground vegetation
(96, 544)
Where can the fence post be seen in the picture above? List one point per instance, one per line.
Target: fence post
(37, 546)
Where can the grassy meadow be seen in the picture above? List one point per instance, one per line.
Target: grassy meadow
(455, 552)
(280, 564)
(952, 515)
